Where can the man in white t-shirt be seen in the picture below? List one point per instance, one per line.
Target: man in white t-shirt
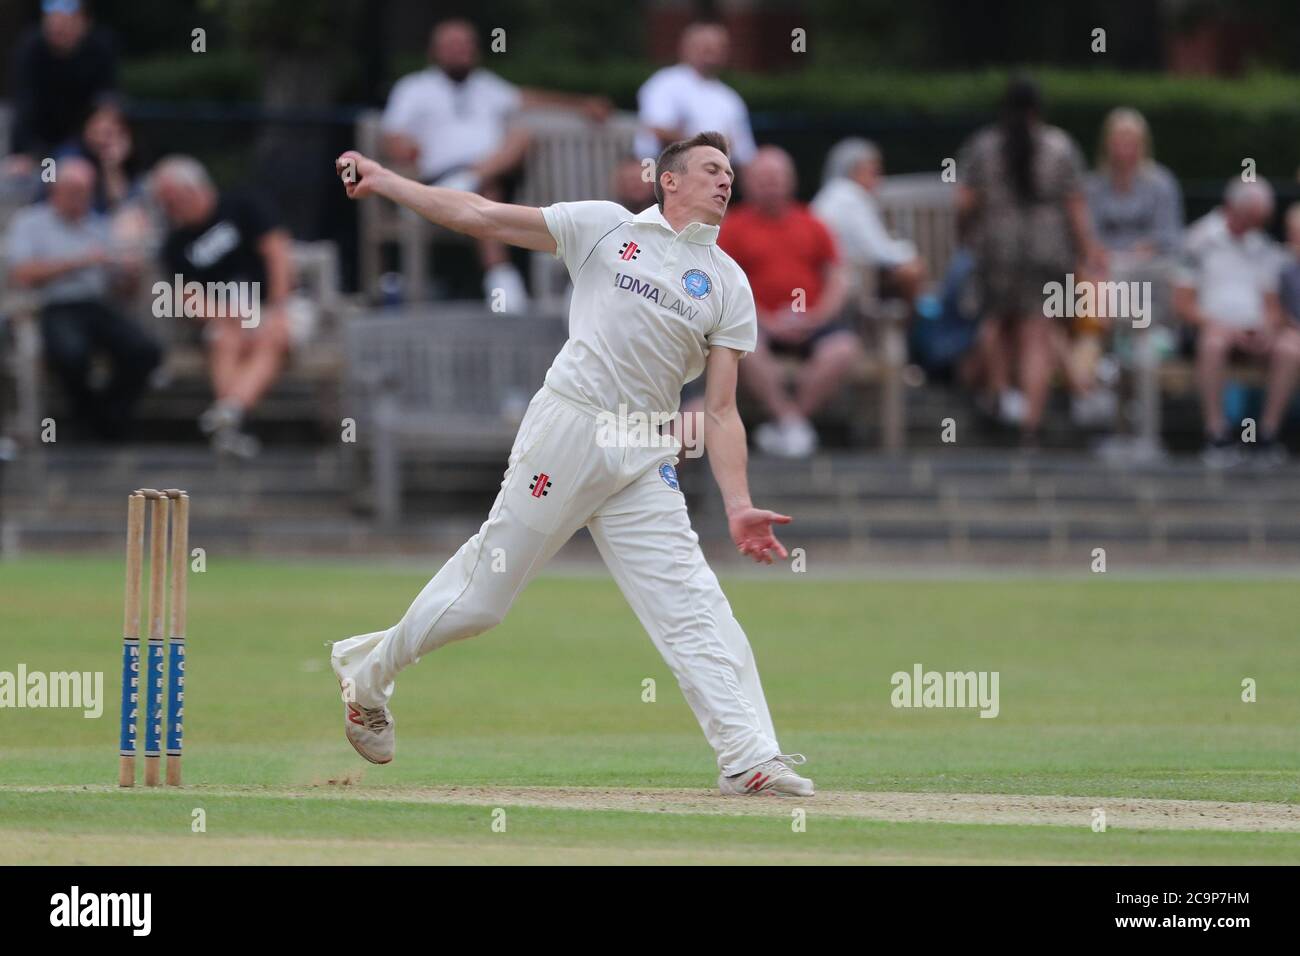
(682, 100)
(1226, 288)
(451, 123)
(655, 302)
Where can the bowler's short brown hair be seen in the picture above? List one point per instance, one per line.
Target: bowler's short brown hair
(673, 158)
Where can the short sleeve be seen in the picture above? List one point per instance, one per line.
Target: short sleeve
(401, 109)
(1073, 167)
(256, 216)
(170, 254)
(827, 250)
(576, 227)
(1187, 268)
(20, 246)
(743, 146)
(1271, 263)
(738, 327)
(506, 97)
(656, 104)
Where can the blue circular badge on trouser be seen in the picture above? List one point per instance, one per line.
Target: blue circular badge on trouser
(669, 474)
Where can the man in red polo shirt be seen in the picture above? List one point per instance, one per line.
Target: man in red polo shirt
(800, 290)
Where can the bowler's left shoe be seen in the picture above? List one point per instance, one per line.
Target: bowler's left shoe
(773, 776)
(370, 730)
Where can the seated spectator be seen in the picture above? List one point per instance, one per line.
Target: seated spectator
(630, 187)
(1136, 205)
(228, 238)
(452, 122)
(59, 68)
(1137, 214)
(1289, 278)
(61, 248)
(687, 98)
(107, 142)
(799, 291)
(1226, 289)
(847, 204)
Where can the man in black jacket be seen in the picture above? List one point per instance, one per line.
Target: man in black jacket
(59, 69)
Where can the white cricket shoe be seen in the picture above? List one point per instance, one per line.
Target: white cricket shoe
(370, 730)
(774, 775)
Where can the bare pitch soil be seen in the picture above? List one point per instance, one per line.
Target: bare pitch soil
(980, 808)
(1136, 814)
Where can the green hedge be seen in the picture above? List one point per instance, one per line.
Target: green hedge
(1203, 127)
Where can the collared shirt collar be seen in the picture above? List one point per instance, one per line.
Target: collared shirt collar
(698, 232)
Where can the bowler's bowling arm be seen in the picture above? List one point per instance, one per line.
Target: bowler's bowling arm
(469, 213)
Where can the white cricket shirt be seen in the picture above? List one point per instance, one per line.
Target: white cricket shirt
(677, 97)
(648, 303)
(455, 124)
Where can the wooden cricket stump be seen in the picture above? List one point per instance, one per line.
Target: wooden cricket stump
(131, 638)
(168, 526)
(176, 663)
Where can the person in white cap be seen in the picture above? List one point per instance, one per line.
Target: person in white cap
(655, 303)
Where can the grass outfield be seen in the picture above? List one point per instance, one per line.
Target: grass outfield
(1123, 694)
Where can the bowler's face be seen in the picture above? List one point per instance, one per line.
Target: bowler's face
(705, 187)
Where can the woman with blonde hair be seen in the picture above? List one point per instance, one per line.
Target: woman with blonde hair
(1136, 204)
(1137, 212)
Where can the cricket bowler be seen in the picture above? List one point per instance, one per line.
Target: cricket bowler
(655, 303)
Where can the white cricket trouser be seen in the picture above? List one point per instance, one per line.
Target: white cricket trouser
(558, 480)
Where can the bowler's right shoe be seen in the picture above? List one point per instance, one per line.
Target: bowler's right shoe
(772, 775)
(370, 730)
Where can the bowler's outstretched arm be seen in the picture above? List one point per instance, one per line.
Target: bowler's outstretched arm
(463, 212)
(724, 439)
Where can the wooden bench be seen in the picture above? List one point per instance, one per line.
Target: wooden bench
(451, 379)
(308, 390)
(918, 207)
(921, 208)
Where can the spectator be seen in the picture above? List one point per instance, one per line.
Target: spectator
(1135, 202)
(59, 68)
(228, 238)
(1020, 202)
(107, 142)
(847, 204)
(452, 122)
(631, 189)
(1289, 279)
(1226, 289)
(1137, 210)
(681, 100)
(61, 248)
(799, 290)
